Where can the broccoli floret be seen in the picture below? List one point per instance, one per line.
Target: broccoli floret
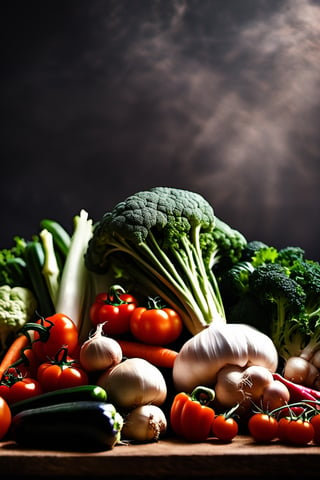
(165, 238)
(17, 306)
(234, 282)
(289, 256)
(265, 256)
(307, 274)
(229, 242)
(271, 285)
(13, 268)
(251, 248)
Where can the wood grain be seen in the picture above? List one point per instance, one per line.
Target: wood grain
(168, 458)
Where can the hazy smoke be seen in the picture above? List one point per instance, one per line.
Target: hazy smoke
(234, 114)
(219, 97)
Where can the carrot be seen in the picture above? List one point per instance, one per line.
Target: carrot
(13, 353)
(155, 354)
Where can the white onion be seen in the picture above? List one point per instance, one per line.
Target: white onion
(134, 382)
(228, 386)
(315, 360)
(144, 424)
(255, 379)
(100, 352)
(203, 355)
(275, 395)
(301, 371)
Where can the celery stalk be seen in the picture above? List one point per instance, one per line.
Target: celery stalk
(50, 269)
(74, 279)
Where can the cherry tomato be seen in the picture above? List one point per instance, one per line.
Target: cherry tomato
(61, 330)
(283, 428)
(155, 325)
(299, 432)
(224, 428)
(5, 417)
(114, 310)
(315, 422)
(15, 387)
(263, 427)
(62, 371)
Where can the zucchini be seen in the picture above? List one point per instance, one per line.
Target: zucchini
(72, 394)
(73, 426)
(34, 258)
(61, 238)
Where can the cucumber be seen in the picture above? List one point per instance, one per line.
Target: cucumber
(74, 426)
(61, 238)
(80, 393)
(34, 258)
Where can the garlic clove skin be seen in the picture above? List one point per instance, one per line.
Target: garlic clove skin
(134, 382)
(100, 352)
(144, 424)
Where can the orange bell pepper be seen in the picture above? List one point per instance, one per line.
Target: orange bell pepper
(191, 416)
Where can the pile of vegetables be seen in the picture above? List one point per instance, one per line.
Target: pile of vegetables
(160, 318)
(278, 292)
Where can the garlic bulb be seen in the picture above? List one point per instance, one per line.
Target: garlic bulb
(144, 424)
(100, 352)
(134, 382)
(203, 355)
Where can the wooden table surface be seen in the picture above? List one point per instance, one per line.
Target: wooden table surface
(167, 458)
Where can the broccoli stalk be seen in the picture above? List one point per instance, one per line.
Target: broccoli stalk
(164, 238)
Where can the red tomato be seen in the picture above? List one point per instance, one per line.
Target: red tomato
(61, 331)
(156, 326)
(283, 428)
(315, 422)
(5, 417)
(224, 428)
(299, 432)
(263, 427)
(61, 373)
(113, 312)
(19, 389)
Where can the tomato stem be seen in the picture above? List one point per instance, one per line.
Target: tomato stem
(155, 303)
(203, 395)
(114, 296)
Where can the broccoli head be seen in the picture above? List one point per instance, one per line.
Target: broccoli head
(272, 286)
(13, 268)
(229, 245)
(251, 248)
(17, 306)
(164, 239)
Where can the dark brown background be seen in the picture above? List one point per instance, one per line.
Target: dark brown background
(102, 98)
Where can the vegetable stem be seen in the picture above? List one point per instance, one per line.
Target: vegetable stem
(73, 283)
(50, 269)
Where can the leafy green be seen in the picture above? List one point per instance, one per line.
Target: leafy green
(13, 268)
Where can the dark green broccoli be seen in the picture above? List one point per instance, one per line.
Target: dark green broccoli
(271, 285)
(290, 256)
(13, 268)
(307, 274)
(164, 238)
(234, 282)
(251, 248)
